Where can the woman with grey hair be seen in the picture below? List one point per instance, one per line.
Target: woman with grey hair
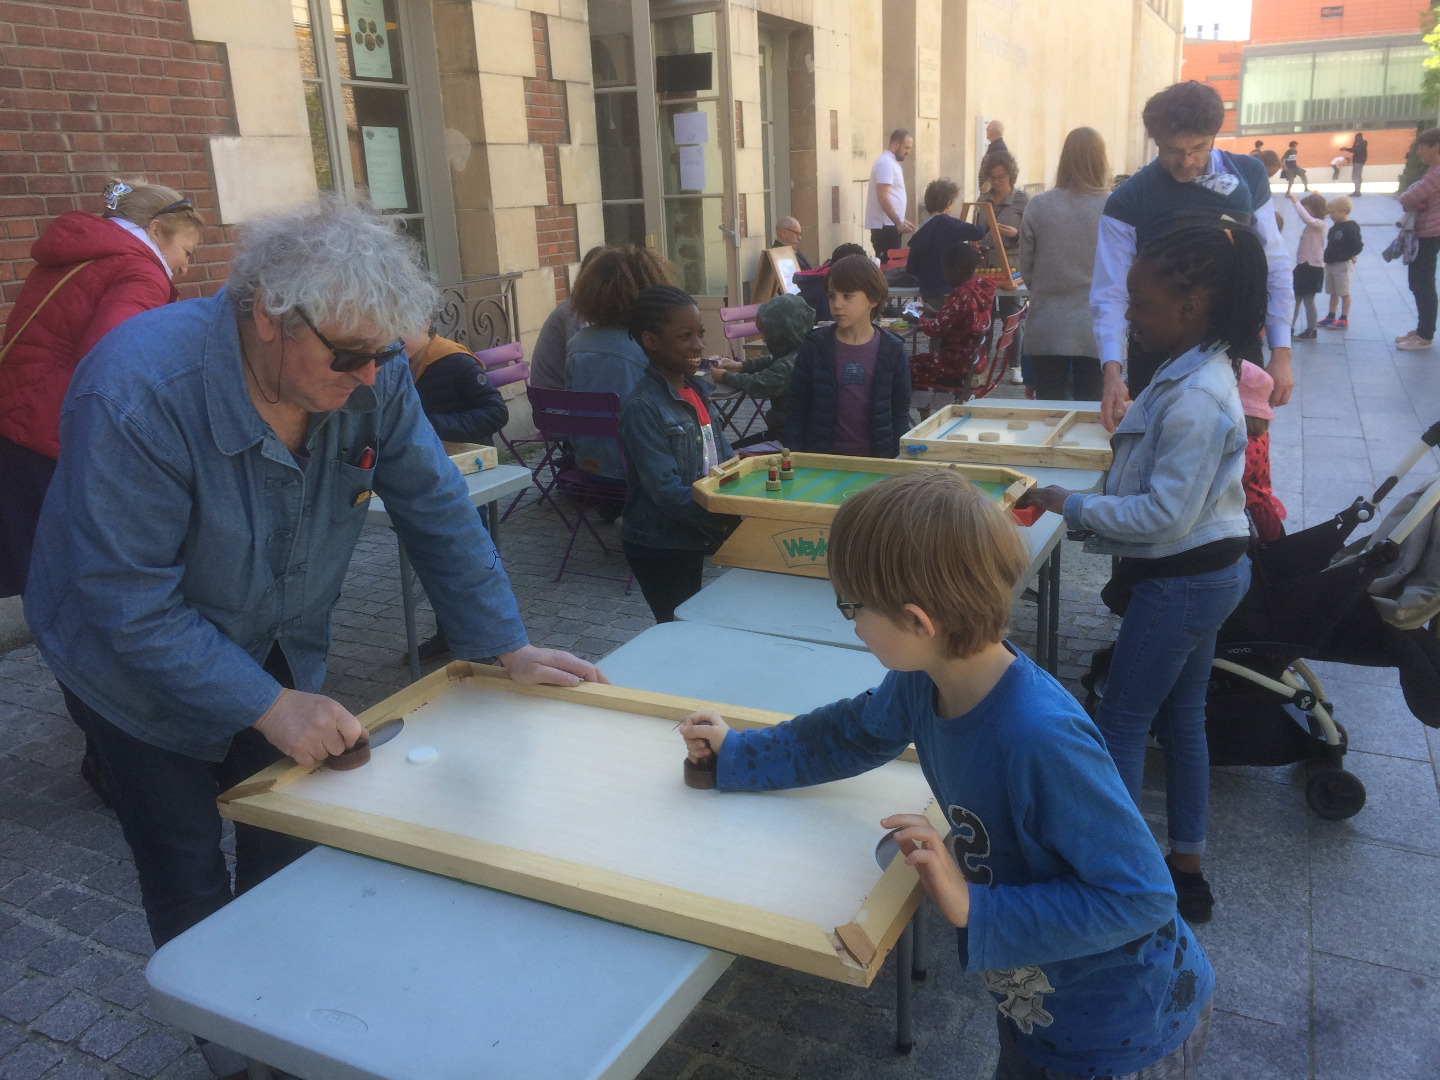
(217, 461)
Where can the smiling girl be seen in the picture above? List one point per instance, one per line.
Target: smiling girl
(1174, 512)
(850, 390)
(671, 439)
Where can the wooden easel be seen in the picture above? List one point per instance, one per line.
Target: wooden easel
(770, 276)
(1006, 281)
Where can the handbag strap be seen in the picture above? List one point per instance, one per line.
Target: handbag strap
(36, 309)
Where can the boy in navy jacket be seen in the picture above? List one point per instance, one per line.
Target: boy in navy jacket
(1059, 892)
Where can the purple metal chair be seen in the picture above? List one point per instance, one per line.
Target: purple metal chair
(561, 415)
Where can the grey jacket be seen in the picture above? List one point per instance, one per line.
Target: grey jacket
(1174, 483)
(1057, 258)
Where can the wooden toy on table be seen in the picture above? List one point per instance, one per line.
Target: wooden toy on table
(505, 799)
(787, 531)
(1020, 435)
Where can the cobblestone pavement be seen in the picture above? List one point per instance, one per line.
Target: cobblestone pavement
(1326, 939)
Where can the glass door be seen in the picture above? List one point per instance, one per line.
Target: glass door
(697, 206)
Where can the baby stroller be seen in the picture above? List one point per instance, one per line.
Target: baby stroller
(1309, 599)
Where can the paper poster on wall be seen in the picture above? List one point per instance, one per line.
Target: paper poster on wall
(383, 168)
(692, 168)
(927, 82)
(370, 39)
(692, 129)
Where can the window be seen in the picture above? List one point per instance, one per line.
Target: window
(1333, 11)
(1327, 91)
(617, 120)
(358, 100)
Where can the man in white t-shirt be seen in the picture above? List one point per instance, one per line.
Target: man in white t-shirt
(885, 198)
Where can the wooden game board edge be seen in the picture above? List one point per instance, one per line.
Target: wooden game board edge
(922, 444)
(606, 894)
(472, 457)
(948, 414)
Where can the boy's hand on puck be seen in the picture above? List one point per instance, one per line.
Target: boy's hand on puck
(703, 733)
(925, 850)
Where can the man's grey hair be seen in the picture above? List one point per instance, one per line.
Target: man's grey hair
(788, 223)
(343, 264)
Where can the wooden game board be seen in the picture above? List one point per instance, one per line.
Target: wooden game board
(472, 457)
(575, 797)
(1051, 438)
(787, 531)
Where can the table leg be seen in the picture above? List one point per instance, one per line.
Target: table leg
(1052, 572)
(917, 961)
(1042, 617)
(904, 1022)
(407, 602)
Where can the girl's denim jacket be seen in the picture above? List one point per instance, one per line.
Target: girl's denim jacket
(663, 457)
(1174, 483)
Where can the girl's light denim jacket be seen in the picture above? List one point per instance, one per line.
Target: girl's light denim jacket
(180, 540)
(663, 458)
(602, 359)
(1179, 454)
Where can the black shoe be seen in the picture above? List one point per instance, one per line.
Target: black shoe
(434, 648)
(1193, 898)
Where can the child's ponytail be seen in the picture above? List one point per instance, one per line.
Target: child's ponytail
(1227, 264)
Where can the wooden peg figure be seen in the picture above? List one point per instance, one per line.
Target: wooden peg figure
(772, 478)
(787, 472)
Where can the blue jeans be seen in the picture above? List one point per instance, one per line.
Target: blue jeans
(1158, 676)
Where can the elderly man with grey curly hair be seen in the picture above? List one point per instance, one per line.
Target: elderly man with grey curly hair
(216, 460)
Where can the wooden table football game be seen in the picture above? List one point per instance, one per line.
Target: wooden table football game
(786, 530)
(1024, 435)
(575, 797)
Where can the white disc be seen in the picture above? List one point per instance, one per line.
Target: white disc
(421, 754)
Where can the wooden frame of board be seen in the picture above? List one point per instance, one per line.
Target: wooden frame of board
(926, 441)
(850, 953)
(770, 280)
(1004, 281)
(793, 537)
(472, 457)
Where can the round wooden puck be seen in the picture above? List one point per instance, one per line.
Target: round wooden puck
(353, 758)
(700, 774)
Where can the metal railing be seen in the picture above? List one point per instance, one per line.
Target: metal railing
(479, 313)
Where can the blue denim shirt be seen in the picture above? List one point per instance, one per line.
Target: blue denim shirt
(1179, 454)
(663, 458)
(180, 539)
(603, 359)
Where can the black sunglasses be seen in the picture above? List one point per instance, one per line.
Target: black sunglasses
(848, 607)
(346, 359)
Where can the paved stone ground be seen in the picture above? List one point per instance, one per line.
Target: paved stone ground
(1326, 939)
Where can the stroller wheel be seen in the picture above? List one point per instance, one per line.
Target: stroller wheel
(1335, 794)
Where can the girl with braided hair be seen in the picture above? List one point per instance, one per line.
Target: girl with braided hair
(671, 438)
(1173, 512)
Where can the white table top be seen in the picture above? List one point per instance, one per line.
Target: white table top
(718, 663)
(346, 968)
(804, 608)
(485, 486)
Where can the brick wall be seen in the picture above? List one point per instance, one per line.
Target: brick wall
(1302, 20)
(1217, 64)
(95, 89)
(547, 118)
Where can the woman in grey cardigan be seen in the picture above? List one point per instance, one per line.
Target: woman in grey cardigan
(1057, 256)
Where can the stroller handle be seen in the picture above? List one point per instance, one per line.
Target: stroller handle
(1422, 509)
(1429, 440)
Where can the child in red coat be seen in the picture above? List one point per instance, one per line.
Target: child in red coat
(959, 330)
(1265, 510)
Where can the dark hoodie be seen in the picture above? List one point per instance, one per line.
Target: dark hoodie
(784, 321)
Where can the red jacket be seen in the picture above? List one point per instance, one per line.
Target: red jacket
(125, 279)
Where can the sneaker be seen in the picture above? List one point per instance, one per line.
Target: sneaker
(1306, 335)
(1414, 344)
(1193, 898)
(1405, 337)
(1327, 323)
(1016, 377)
(1341, 324)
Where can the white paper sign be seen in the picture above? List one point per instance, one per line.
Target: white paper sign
(370, 40)
(787, 268)
(692, 168)
(692, 128)
(383, 169)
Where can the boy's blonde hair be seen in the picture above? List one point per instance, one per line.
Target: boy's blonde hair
(933, 539)
(1341, 203)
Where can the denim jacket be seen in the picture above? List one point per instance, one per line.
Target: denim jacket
(1179, 454)
(663, 457)
(181, 540)
(602, 359)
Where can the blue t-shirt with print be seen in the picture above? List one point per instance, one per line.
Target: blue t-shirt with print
(1072, 913)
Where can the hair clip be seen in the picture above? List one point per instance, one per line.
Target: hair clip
(113, 191)
(180, 205)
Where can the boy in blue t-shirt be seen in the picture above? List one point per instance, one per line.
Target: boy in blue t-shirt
(1061, 896)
